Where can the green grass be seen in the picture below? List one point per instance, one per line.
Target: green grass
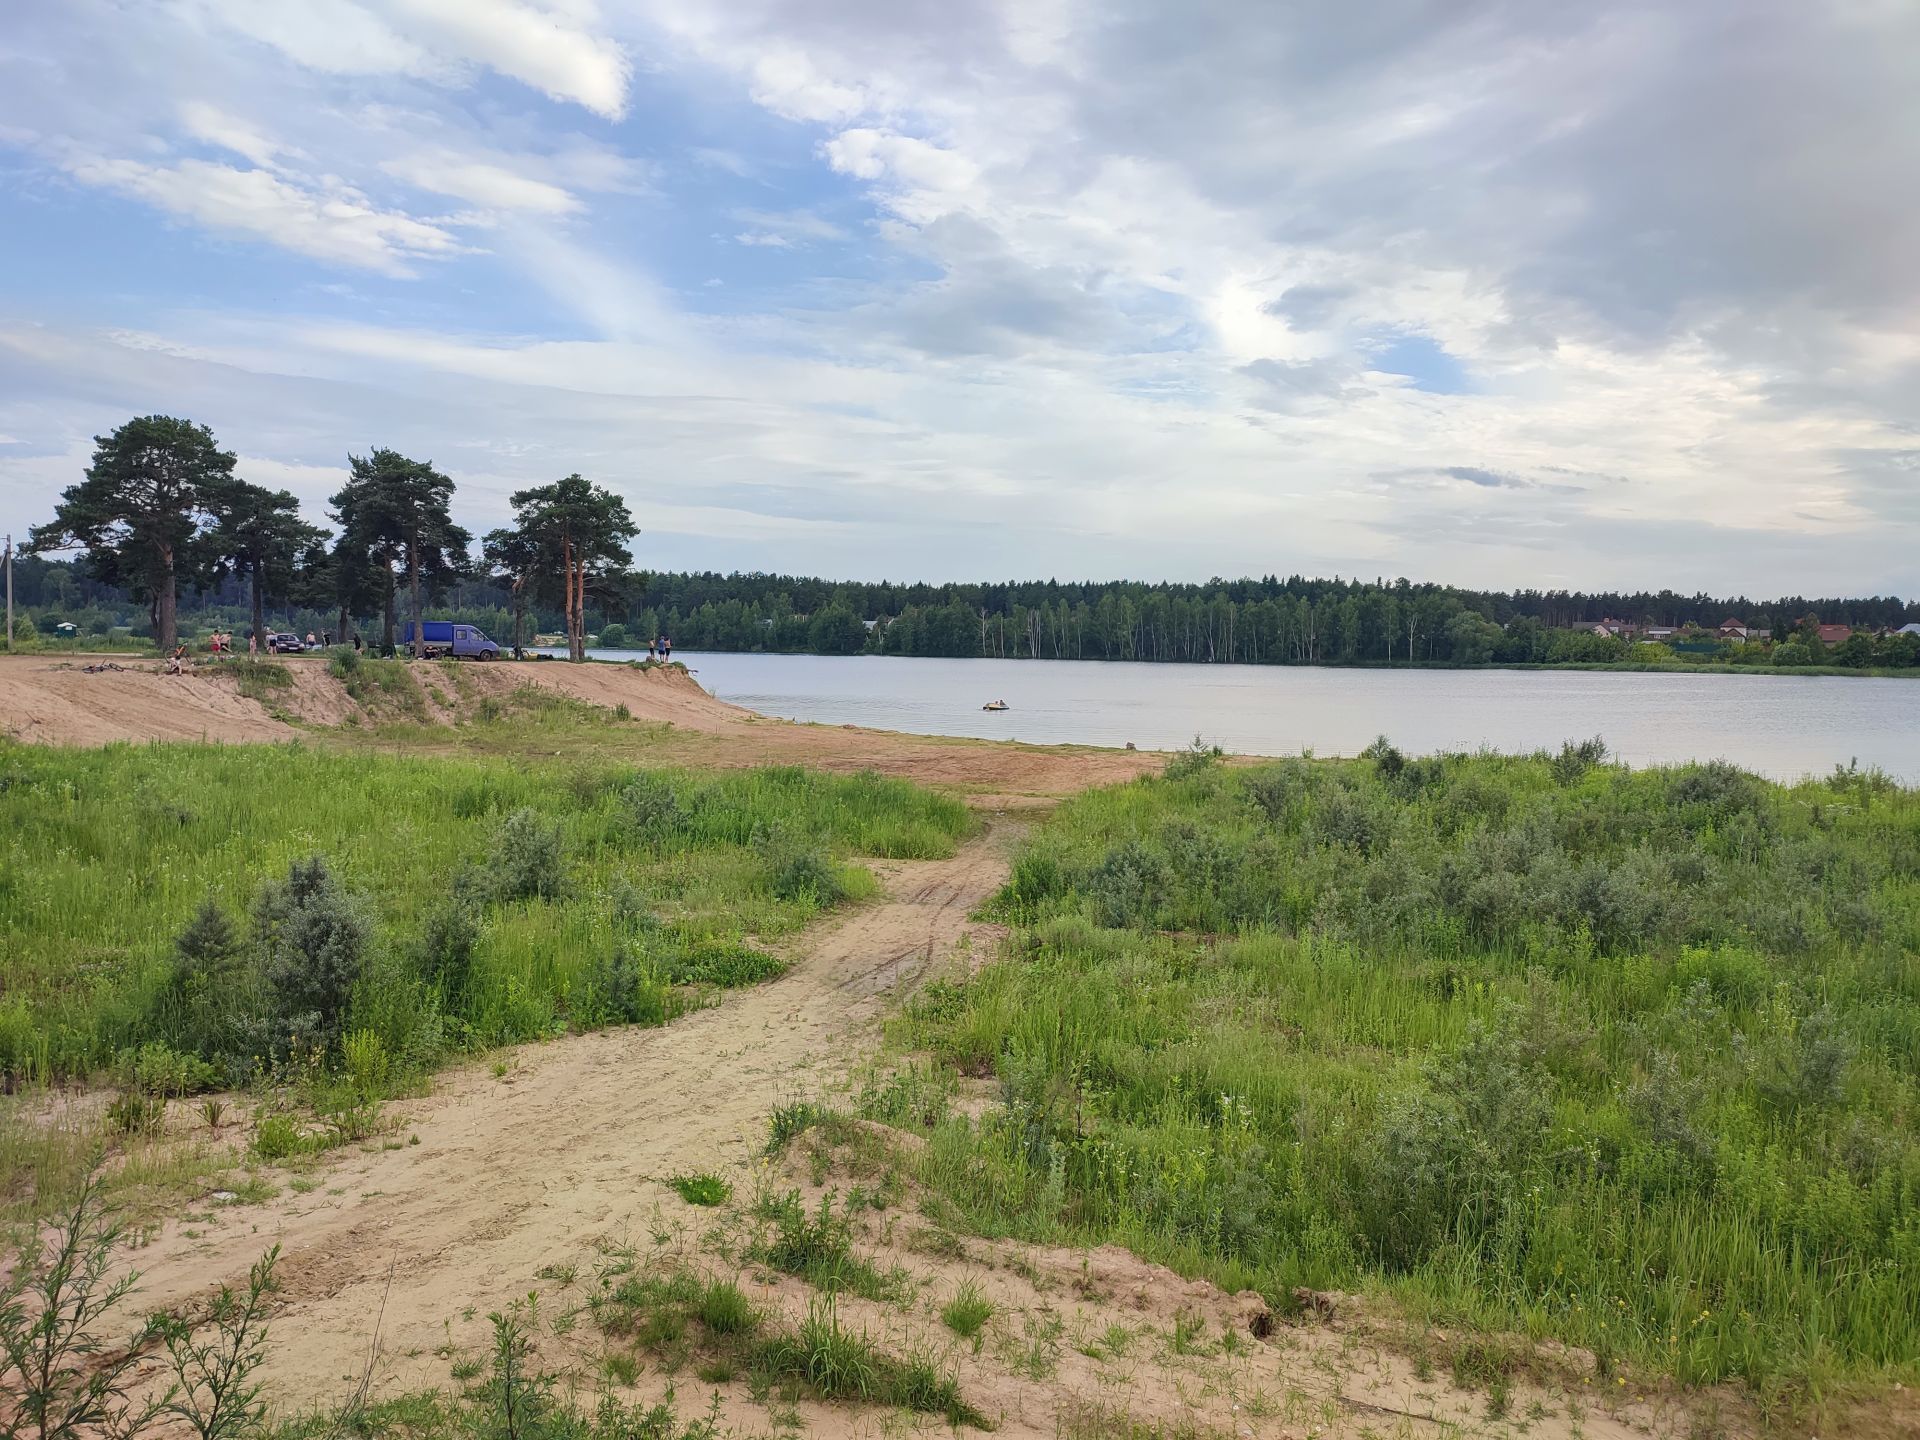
(967, 1313)
(701, 1189)
(680, 1318)
(643, 886)
(1626, 1059)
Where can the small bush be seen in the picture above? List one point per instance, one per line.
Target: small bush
(1197, 759)
(444, 954)
(650, 808)
(278, 1137)
(797, 869)
(153, 1069)
(314, 941)
(1576, 758)
(528, 859)
(367, 1063)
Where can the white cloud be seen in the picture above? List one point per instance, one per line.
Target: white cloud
(340, 37)
(215, 126)
(334, 223)
(483, 183)
(555, 50)
(784, 229)
(1122, 273)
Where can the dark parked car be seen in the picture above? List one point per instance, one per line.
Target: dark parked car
(284, 643)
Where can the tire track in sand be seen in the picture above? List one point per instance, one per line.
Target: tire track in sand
(513, 1175)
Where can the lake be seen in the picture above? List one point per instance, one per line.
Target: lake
(1780, 725)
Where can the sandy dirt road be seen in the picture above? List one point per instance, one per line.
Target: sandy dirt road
(515, 1174)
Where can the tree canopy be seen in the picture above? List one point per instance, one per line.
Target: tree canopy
(392, 511)
(139, 512)
(577, 534)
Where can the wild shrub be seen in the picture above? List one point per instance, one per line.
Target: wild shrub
(153, 1069)
(1197, 759)
(1666, 1104)
(650, 808)
(1412, 1178)
(527, 859)
(1576, 758)
(209, 988)
(443, 955)
(1356, 821)
(797, 868)
(368, 1066)
(1280, 793)
(1717, 788)
(1388, 762)
(314, 940)
(1126, 888)
(60, 1375)
(1808, 1068)
(622, 989)
(214, 1393)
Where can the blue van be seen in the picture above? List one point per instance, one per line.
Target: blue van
(465, 642)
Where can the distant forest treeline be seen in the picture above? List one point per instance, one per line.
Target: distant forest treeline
(1265, 621)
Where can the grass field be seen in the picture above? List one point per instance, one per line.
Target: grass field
(1542, 1045)
(460, 901)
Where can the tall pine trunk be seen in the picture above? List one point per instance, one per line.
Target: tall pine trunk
(387, 617)
(576, 585)
(165, 602)
(259, 610)
(413, 583)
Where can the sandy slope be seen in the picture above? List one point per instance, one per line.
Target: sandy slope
(56, 702)
(53, 701)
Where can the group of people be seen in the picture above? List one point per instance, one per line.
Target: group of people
(660, 648)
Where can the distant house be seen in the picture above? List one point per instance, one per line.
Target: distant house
(1913, 629)
(1660, 632)
(1732, 629)
(1616, 628)
(1835, 634)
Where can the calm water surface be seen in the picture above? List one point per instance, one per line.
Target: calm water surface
(1782, 726)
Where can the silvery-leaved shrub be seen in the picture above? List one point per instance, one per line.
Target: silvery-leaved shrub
(529, 857)
(314, 939)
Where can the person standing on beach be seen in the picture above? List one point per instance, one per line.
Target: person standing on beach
(653, 648)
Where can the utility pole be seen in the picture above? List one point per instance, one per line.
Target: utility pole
(9, 569)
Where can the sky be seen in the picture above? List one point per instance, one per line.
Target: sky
(1495, 294)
